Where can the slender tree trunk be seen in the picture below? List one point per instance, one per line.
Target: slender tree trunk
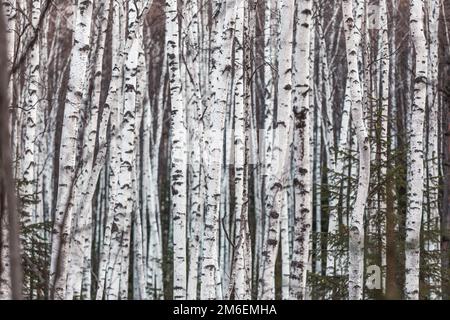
(356, 239)
(302, 170)
(219, 77)
(433, 219)
(68, 150)
(194, 63)
(179, 151)
(416, 152)
(277, 177)
(383, 144)
(7, 183)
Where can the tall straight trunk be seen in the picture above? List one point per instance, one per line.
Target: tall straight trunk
(301, 149)
(7, 182)
(219, 80)
(124, 202)
(179, 152)
(285, 247)
(241, 277)
(392, 291)
(85, 184)
(383, 143)
(270, 49)
(445, 244)
(139, 228)
(356, 227)
(433, 219)
(193, 62)
(330, 152)
(10, 12)
(112, 105)
(318, 163)
(28, 190)
(68, 150)
(416, 152)
(155, 251)
(277, 177)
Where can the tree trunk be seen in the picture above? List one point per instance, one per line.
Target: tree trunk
(416, 152)
(356, 239)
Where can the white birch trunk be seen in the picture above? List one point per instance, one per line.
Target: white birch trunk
(179, 152)
(83, 192)
(356, 240)
(280, 156)
(68, 151)
(285, 248)
(241, 277)
(270, 48)
(112, 104)
(416, 152)
(433, 220)
(384, 95)
(195, 110)
(219, 77)
(28, 177)
(123, 202)
(301, 148)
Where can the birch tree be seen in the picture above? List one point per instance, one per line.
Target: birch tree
(433, 101)
(224, 149)
(356, 238)
(241, 277)
(416, 152)
(68, 151)
(302, 135)
(218, 81)
(278, 174)
(6, 182)
(179, 148)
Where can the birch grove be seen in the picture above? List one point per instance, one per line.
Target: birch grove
(224, 149)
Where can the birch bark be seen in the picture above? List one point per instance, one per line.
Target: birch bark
(68, 150)
(219, 77)
(241, 277)
(279, 172)
(433, 218)
(193, 52)
(416, 152)
(179, 151)
(302, 166)
(28, 185)
(356, 239)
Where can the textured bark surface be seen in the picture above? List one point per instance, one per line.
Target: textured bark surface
(301, 145)
(356, 225)
(277, 176)
(416, 151)
(8, 214)
(224, 149)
